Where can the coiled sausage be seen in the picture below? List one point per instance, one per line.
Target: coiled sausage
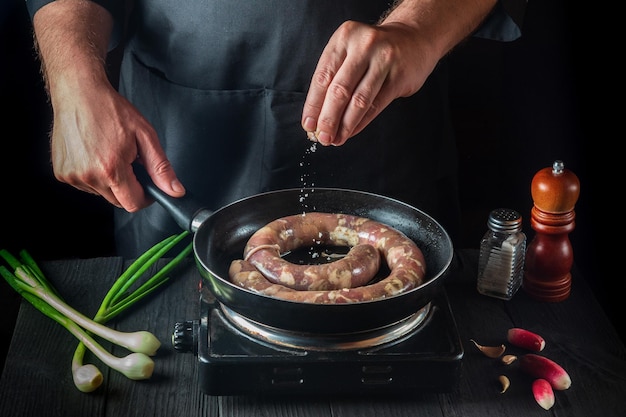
(358, 267)
(262, 253)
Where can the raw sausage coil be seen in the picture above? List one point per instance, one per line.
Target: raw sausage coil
(264, 271)
(357, 268)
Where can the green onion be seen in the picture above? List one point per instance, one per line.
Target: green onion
(141, 341)
(134, 366)
(118, 298)
(28, 280)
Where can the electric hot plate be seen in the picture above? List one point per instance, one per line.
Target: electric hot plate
(237, 356)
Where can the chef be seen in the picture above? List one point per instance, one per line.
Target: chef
(224, 99)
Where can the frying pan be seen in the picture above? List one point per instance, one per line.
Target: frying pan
(220, 236)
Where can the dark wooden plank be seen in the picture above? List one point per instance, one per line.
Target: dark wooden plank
(41, 370)
(417, 405)
(239, 406)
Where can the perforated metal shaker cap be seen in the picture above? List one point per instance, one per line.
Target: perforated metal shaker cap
(504, 220)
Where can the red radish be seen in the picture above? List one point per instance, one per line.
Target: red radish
(525, 339)
(542, 367)
(542, 390)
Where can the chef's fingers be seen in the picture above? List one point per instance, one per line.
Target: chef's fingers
(350, 96)
(322, 80)
(129, 192)
(346, 83)
(156, 163)
(125, 189)
(120, 188)
(383, 99)
(105, 192)
(366, 102)
(339, 70)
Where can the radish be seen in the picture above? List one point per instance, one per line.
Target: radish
(526, 339)
(542, 391)
(544, 368)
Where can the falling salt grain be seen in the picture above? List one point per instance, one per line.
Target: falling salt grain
(305, 177)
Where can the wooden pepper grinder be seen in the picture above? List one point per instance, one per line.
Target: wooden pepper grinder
(549, 256)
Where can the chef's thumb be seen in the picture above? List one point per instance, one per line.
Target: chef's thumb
(163, 176)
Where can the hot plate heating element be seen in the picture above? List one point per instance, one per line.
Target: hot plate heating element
(237, 356)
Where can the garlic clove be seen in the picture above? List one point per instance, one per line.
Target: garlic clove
(505, 382)
(490, 351)
(508, 359)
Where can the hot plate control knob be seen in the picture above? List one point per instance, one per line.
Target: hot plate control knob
(185, 336)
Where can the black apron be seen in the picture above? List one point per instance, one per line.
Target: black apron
(224, 81)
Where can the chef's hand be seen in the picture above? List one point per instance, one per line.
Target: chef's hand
(361, 70)
(97, 134)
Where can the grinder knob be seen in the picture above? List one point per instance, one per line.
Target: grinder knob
(555, 190)
(185, 336)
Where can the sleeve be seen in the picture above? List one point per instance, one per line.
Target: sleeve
(115, 7)
(505, 21)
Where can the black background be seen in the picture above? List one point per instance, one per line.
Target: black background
(517, 108)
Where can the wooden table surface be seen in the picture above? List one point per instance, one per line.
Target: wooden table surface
(37, 379)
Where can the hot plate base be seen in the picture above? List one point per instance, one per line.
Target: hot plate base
(234, 363)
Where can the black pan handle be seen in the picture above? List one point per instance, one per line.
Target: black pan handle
(187, 212)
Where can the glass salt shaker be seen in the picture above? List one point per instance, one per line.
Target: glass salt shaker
(501, 257)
